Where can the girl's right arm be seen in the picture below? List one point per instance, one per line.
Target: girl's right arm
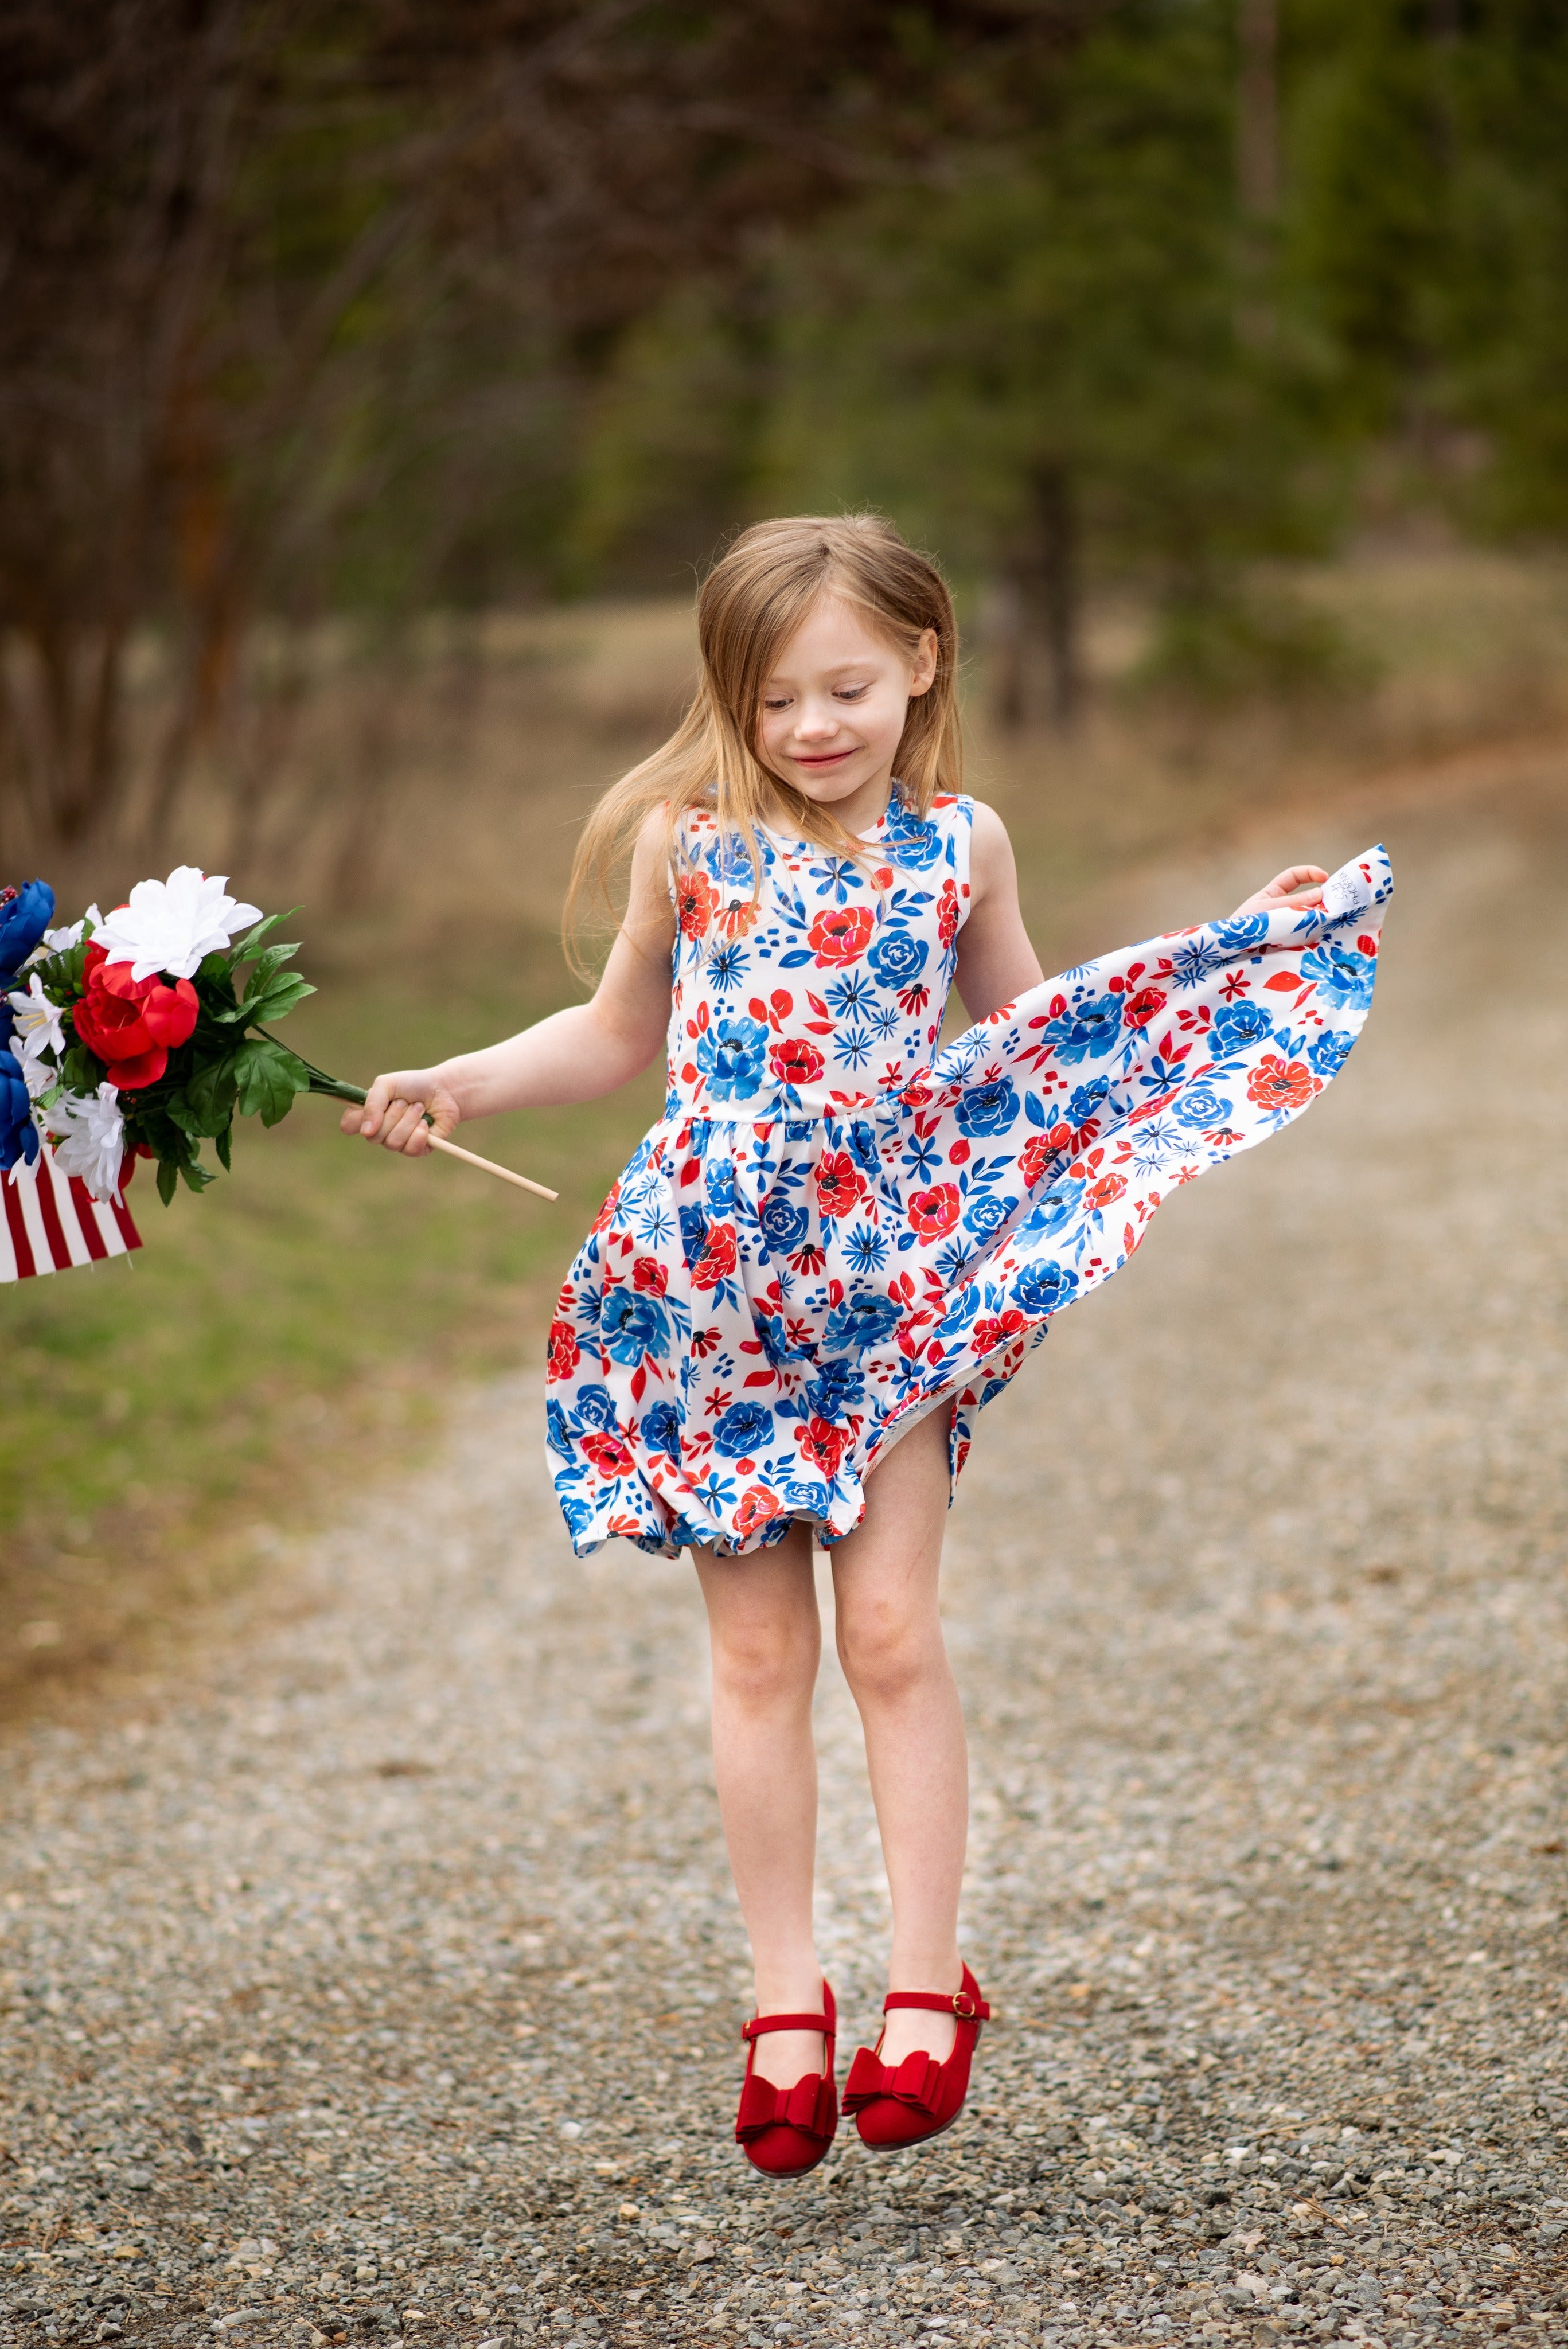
(574, 1055)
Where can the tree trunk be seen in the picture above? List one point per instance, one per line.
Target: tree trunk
(1051, 593)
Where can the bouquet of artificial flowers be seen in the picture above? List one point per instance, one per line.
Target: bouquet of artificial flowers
(138, 1035)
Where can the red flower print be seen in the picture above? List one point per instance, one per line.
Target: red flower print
(602, 1220)
(758, 1507)
(823, 1444)
(840, 1185)
(1034, 1157)
(1140, 1009)
(739, 919)
(994, 1331)
(841, 934)
(1108, 1188)
(609, 1455)
(934, 1212)
(563, 1352)
(796, 1063)
(717, 1261)
(648, 1274)
(694, 904)
(947, 915)
(1282, 1084)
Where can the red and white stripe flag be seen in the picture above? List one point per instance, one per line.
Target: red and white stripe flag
(51, 1220)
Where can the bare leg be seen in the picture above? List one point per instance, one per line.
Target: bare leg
(766, 1639)
(895, 1662)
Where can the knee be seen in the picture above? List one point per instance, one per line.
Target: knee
(886, 1655)
(761, 1668)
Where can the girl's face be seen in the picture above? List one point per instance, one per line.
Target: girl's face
(834, 709)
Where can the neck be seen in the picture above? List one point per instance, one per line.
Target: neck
(859, 810)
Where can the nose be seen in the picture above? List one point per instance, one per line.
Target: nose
(817, 721)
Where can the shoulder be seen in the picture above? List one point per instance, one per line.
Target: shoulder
(991, 861)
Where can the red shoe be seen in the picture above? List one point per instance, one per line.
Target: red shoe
(904, 2103)
(787, 2131)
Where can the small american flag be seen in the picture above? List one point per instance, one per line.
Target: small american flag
(51, 1220)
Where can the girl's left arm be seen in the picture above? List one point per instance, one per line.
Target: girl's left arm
(996, 962)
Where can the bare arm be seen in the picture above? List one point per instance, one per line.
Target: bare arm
(574, 1055)
(996, 962)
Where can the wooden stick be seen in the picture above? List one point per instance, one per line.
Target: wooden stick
(472, 1158)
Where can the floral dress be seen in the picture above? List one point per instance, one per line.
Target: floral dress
(836, 1228)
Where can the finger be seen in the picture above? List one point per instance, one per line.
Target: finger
(404, 1123)
(352, 1119)
(381, 1093)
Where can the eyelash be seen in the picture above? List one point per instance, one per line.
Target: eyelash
(848, 693)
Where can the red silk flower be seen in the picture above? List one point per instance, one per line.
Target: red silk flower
(132, 1024)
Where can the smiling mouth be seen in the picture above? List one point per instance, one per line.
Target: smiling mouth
(821, 758)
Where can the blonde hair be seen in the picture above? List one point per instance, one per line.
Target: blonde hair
(748, 606)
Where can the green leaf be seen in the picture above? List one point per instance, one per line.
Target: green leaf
(269, 1076)
(277, 1000)
(81, 1070)
(206, 1105)
(246, 947)
(196, 1177)
(223, 1143)
(168, 1179)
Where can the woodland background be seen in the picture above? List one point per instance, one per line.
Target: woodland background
(375, 378)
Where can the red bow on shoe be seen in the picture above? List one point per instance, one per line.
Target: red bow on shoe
(913, 2082)
(808, 2105)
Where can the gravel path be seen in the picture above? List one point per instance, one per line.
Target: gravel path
(382, 1974)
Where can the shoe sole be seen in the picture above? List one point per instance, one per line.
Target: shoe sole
(910, 2142)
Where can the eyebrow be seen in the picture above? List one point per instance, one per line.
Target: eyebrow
(837, 668)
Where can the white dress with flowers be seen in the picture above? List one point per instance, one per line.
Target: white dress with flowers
(834, 1228)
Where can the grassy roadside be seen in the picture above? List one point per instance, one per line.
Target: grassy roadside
(298, 1328)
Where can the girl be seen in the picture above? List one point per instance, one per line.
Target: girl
(837, 1243)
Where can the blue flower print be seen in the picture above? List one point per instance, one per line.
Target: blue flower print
(866, 1248)
(1344, 977)
(732, 1055)
(860, 1322)
(596, 1407)
(1329, 1052)
(852, 993)
(1053, 1208)
(1088, 1101)
(837, 1387)
(662, 1430)
(719, 1184)
(1201, 1105)
(1041, 1288)
(1237, 1027)
(784, 1224)
(693, 1234)
(633, 1324)
(988, 1109)
(911, 841)
(744, 1428)
(809, 1499)
(987, 1215)
(898, 957)
(557, 1437)
(578, 1513)
(1241, 931)
(1088, 1032)
(1196, 959)
(726, 967)
(837, 877)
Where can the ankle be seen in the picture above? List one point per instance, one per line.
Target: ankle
(926, 1968)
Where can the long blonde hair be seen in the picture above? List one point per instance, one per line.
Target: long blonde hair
(748, 607)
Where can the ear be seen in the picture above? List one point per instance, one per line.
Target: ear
(923, 674)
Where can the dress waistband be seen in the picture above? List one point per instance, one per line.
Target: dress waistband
(801, 1105)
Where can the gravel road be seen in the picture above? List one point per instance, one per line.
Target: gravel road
(376, 1974)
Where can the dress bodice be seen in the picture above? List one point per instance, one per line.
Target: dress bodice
(828, 989)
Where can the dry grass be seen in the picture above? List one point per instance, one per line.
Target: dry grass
(300, 1326)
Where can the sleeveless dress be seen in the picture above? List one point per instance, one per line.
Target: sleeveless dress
(834, 1228)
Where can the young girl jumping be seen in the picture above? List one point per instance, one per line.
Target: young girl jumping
(839, 1242)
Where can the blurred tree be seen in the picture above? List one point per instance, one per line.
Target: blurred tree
(293, 284)
(1048, 367)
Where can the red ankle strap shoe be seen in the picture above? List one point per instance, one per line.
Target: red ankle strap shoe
(787, 2131)
(903, 2104)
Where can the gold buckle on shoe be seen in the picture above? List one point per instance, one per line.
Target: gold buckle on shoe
(963, 2006)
